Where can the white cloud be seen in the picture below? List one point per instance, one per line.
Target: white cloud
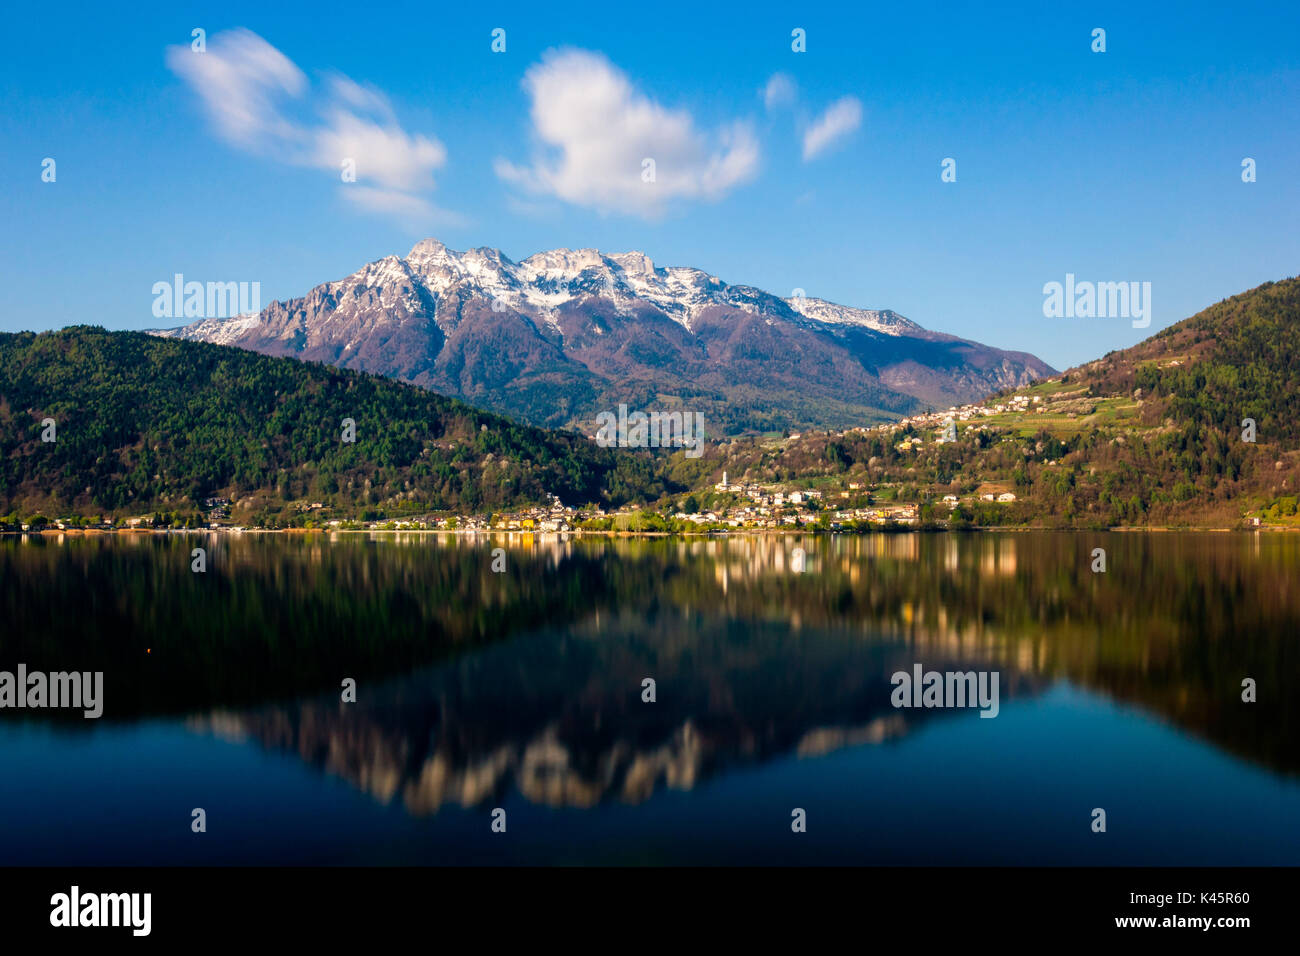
(840, 119)
(257, 100)
(241, 81)
(365, 98)
(780, 91)
(385, 154)
(596, 129)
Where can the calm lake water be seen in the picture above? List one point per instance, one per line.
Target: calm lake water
(522, 690)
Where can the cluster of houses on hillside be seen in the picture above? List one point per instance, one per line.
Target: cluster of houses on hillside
(954, 414)
(768, 497)
(964, 413)
(218, 509)
(774, 508)
(1005, 497)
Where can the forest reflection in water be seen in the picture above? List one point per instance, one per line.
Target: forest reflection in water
(473, 683)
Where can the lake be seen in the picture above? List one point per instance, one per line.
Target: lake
(522, 690)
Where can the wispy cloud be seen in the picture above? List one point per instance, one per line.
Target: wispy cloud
(596, 130)
(260, 101)
(779, 91)
(410, 209)
(840, 119)
(242, 82)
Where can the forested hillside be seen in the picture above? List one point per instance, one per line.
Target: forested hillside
(1149, 435)
(146, 423)
(1238, 358)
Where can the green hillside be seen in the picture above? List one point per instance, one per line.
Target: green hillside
(1150, 435)
(145, 423)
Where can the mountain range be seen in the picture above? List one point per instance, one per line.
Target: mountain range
(563, 335)
(1196, 425)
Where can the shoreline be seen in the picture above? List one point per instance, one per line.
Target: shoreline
(579, 532)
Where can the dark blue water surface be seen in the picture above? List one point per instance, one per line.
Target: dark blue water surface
(523, 691)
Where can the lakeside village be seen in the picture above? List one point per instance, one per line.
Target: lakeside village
(732, 506)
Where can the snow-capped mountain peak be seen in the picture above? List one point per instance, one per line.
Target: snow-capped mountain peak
(553, 336)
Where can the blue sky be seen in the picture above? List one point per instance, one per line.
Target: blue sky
(1115, 166)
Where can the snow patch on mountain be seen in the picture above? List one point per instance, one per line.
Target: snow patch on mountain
(880, 320)
(221, 331)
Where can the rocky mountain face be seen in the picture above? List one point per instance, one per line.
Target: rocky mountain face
(565, 334)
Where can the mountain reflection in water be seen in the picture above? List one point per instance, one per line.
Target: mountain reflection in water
(473, 685)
